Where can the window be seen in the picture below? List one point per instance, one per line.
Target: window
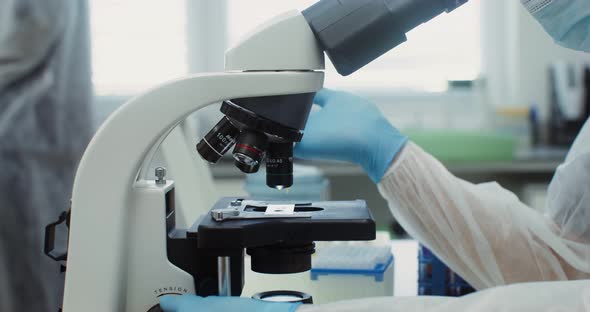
(447, 48)
(136, 44)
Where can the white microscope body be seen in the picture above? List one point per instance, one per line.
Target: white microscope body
(117, 259)
(117, 247)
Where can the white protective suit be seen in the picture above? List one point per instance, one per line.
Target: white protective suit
(484, 233)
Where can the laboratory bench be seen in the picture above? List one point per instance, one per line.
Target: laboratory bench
(405, 278)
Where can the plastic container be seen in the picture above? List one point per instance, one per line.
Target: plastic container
(309, 184)
(349, 271)
(436, 279)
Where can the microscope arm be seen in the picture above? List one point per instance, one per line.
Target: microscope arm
(354, 33)
(104, 195)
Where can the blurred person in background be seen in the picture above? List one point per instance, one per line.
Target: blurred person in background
(45, 124)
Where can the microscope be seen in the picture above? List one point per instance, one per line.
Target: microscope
(125, 250)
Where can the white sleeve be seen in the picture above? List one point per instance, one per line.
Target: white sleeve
(538, 297)
(483, 232)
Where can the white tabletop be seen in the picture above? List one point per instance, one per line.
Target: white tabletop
(405, 253)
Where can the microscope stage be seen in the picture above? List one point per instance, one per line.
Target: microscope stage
(243, 223)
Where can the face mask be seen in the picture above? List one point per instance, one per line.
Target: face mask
(567, 21)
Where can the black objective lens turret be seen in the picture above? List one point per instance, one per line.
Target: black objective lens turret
(260, 127)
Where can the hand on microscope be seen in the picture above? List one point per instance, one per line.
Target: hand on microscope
(352, 129)
(191, 303)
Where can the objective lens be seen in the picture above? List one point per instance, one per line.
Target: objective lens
(245, 163)
(279, 165)
(249, 150)
(218, 141)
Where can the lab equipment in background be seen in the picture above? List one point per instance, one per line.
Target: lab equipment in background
(464, 146)
(436, 279)
(569, 102)
(516, 123)
(535, 125)
(309, 184)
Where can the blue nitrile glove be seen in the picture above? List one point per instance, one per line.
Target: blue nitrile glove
(352, 129)
(191, 303)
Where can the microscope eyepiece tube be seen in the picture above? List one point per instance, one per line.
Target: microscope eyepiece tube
(279, 165)
(250, 150)
(218, 141)
(354, 33)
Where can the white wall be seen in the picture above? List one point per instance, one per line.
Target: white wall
(494, 50)
(516, 55)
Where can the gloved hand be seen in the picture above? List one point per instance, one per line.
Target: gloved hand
(191, 303)
(350, 128)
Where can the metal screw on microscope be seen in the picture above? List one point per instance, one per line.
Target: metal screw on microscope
(160, 175)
